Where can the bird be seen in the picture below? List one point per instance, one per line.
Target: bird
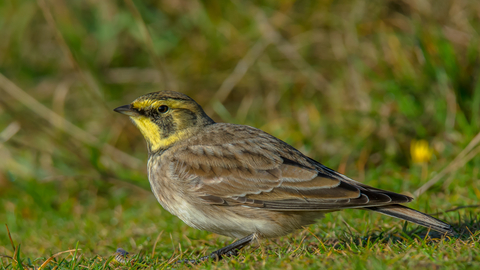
(241, 182)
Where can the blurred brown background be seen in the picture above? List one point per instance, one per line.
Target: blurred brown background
(349, 83)
(334, 78)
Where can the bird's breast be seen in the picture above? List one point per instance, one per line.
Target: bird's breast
(175, 194)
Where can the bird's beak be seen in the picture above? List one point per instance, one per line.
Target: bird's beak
(127, 110)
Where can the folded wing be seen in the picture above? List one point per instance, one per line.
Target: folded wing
(269, 174)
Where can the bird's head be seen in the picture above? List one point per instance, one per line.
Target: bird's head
(165, 117)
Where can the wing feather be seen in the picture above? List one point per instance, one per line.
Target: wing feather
(264, 172)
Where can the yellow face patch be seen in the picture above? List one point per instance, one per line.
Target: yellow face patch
(149, 130)
(156, 137)
(153, 134)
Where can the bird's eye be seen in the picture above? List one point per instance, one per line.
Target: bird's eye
(163, 109)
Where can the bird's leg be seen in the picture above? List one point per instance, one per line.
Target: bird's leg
(230, 250)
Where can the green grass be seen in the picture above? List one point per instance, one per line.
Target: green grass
(44, 220)
(349, 83)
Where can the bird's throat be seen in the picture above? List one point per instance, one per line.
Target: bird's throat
(155, 137)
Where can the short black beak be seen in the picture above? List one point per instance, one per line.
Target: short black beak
(127, 110)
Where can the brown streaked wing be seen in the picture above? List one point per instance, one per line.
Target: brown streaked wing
(236, 171)
(248, 173)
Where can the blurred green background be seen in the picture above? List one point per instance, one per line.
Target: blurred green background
(349, 83)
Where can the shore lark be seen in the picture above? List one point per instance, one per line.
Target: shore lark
(241, 182)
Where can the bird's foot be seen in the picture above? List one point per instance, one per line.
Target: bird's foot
(215, 256)
(218, 255)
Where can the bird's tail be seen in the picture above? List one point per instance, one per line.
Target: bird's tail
(408, 214)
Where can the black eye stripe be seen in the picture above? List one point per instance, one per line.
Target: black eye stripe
(163, 109)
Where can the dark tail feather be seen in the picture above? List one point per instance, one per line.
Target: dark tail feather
(408, 214)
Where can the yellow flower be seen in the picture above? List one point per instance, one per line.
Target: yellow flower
(420, 151)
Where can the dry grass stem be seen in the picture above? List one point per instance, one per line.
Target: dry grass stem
(9, 132)
(10, 237)
(132, 75)
(56, 255)
(462, 207)
(156, 241)
(461, 159)
(284, 46)
(68, 53)
(63, 124)
(240, 69)
(158, 62)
